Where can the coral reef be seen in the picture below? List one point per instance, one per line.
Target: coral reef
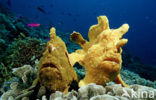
(19, 87)
(19, 53)
(133, 78)
(55, 71)
(80, 73)
(23, 72)
(134, 64)
(109, 92)
(102, 54)
(90, 91)
(13, 27)
(94, 92)
(17, 47)
(128, 77)
(2, 45)
(24, 51)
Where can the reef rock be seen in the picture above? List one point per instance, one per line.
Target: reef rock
(55, 71)
(104, 97)
(109, 92)
(23, 71)
(9, 94)
(60, 96)
(90, 90)
(101, 55)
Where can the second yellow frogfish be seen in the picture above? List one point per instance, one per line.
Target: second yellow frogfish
(55, 71)
(101, 55)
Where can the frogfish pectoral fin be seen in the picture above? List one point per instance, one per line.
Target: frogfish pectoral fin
(77, 38)
(120, 81)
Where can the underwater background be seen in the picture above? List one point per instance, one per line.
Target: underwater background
(79, 15)
(25, 24)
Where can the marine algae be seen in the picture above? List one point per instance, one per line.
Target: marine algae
(55, 71)
(101, 55)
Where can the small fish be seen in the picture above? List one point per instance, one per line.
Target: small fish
(41, 9)
(33, 25)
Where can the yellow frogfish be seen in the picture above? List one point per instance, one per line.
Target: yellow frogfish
(101, 55)
(55, 71)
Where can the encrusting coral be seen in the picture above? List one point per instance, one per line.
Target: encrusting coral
(18, 53)
(55, 71)
(101, 55)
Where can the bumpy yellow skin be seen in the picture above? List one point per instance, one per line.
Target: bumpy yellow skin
(55, 71)
(101, 56)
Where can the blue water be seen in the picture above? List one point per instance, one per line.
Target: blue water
(79, 15)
